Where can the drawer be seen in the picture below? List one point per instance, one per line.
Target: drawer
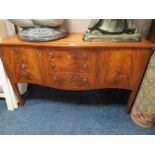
(23, 64)
(58, 79)
(71, 81)
(69, 60)
(84, 81)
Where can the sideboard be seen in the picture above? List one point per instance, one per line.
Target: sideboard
(73, 64)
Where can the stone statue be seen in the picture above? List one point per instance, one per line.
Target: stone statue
(111, 30)
(39, 30)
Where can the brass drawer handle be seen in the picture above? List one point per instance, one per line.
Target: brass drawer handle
(85, 81)
(118, 70)
(55, 78)
(50, 55)
(85, 56)
(85, 67)
(23, 66)
(53, 66)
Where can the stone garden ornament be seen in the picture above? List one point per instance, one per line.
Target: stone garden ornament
(40, 30)
(111, 30)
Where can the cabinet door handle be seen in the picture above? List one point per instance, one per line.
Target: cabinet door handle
(23, 66)
(85, 66)
(50, 55)
(85, 56)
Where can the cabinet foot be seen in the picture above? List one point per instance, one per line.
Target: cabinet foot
(19, 97)
(130, 101)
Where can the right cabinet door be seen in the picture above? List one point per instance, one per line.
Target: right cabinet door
(124, 67)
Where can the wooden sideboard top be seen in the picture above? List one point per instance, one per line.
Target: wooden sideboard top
(75, 40)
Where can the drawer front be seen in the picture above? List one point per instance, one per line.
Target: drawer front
(69, 60)
(69, 68)
(71, 81)
(23, 64)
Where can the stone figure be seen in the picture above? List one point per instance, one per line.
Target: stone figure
(111, 30)
(40, 29)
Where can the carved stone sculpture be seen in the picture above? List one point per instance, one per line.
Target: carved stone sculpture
(40, 29)
(111, 30)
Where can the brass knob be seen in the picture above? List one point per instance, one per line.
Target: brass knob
(85, 81)
(118, 70)
(55, 78)
(85, 56)
(50, 55)
(53, 66)
(23, 66)
(85, 66)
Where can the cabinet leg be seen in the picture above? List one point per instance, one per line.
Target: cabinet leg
(130, 101)
(19, 97)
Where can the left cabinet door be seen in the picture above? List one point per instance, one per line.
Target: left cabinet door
(22, 64)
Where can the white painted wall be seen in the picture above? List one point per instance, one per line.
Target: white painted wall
(80, 25)
(76, 25)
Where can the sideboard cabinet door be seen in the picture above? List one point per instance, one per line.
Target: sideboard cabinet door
(23, 64)
(123, 67)
(120, 64)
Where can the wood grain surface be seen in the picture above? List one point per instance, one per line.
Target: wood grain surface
(73, 64)
(74, 40)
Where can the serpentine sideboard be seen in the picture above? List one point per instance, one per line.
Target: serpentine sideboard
(73, 64)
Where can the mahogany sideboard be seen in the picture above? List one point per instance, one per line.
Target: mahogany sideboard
(73, 64)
